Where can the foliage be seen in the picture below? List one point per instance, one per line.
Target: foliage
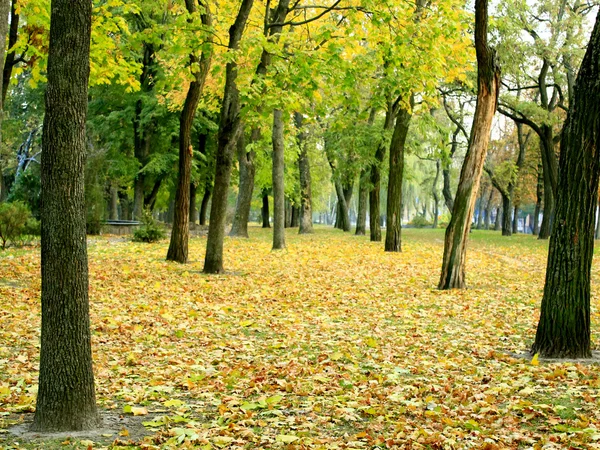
(150, 231)
(419, 221)
(15, 222)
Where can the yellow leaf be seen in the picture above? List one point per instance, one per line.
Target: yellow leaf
(535, 360)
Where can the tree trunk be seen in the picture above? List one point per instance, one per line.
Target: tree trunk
(229, 131)
(239, 228)
(278, 186)
(488, 210)
(506, 215)
(515, 222)
(295, 217)
(114, 203)
(287, 213)
(306, 226)
(178, 247)
(374, 195)
(447, 190)
(538, 204)
(498, 222)
(124, 201)
(265, 210)
(13, 35)
(66, 395)
(363, 195)
(482, 197)
(550, 179)
(488, 80)
(564, 327)
(393, 233)
(193, 210)
(436, 198)
(204, 205)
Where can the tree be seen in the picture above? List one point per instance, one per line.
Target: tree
(306, 226)
(230, 127)
(564, 327)
(278, 183)
(178, 248)
(66, 395)
(488, 85)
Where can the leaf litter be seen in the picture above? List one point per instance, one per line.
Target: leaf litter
(331, 344)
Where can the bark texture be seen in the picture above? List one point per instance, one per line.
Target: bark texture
(239, 228)
(393, 234)
(363, 197)
(229, 131)
(66, 396)
(488, 84)
(306, 225)
(278, 186)
(564, 327)
(180, 235)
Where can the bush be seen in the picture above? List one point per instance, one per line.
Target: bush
(15, 222)
(150, 231)
(420, 222)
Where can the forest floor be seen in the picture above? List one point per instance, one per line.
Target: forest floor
(330, 344)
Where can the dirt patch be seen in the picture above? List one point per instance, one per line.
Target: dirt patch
(595, 359)
(115, 426)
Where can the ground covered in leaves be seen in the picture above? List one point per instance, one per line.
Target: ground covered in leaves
(330, 344)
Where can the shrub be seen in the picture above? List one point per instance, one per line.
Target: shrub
(150, 231)
(420, 222)
(14, 219)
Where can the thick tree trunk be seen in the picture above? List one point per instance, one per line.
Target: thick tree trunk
(393, 233)
(239, 228)
(278, 186)
(498, 222)
(564, 327)
(229, 131)
(178, 247)
(488, 80)
(265, 211)
(374, 195)
(66, 395)
(306, 226)
(363, 196)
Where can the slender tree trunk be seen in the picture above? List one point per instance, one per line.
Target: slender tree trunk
(515, 222)
(114, 203)
(265, 210)
(295, 217)
(393, 233)
(436, 198)
(229, 131)
(13, 35)
(278, 186)
(488, 210)
(564, 327)
(488, 80)
(550, 184)
(287, 213)
(124, 201)
(193, 210)
(306, 226)
(239, 228)
(178, 247)
(498, 222)
(482, 197)
(204, 205)
(66, 395)
(374, 195)
(363, 196)
(506, 215)
(538, 204)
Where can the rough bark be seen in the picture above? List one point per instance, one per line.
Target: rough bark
(66, 395)
(178, 247)
(488, 81)
(363, 196)
(265, 210)
(239, 228)
(393, 233)
(306, 225)
(538, 203)
(564, 327)
(278, 186)
(229, 131)
(375, 170)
